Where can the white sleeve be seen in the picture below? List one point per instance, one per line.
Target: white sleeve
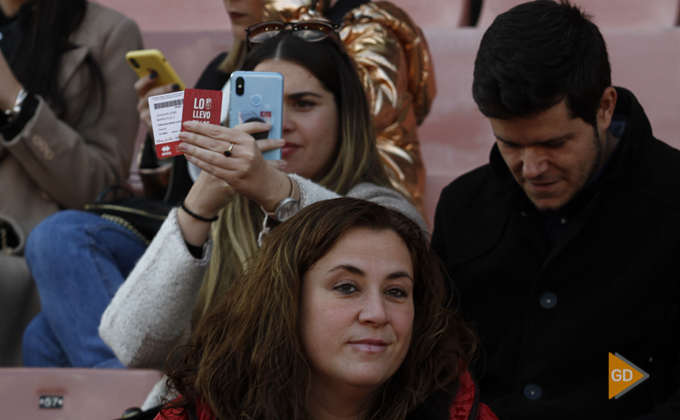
(151, 312)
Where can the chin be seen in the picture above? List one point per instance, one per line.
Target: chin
(238, 31)
(369, 378)
(549, 204)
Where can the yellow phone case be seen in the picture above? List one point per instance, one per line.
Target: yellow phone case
(145, 61)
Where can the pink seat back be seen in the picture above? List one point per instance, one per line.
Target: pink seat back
(437, 13)
(647, 62)
(72, 394)
(607, 14)
(455, 137)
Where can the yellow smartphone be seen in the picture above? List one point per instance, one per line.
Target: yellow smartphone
(144, 62)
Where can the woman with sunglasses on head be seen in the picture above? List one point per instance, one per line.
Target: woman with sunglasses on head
(342, 314)
(394, 66)
(328, 151)
(107, 252)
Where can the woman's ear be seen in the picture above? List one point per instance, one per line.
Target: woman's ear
(606, 110)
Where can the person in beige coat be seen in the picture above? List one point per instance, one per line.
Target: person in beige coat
(67, 128)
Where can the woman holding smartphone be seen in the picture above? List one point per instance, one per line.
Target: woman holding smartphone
(328, 151)
(107, 252)
(393, 62)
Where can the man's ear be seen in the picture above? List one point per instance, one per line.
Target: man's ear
(606, 110)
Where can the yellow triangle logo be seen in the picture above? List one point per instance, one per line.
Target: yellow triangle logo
(623, 375)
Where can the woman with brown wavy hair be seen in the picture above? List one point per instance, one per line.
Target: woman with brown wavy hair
(342, 314)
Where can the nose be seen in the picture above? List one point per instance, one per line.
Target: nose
(374, 311)
(287, 124)
(534, 163)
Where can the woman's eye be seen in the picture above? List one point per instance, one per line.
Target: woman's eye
(397, 292)
(302, 104)
(345, 288)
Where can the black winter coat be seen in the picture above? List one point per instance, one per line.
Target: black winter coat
(547, 318)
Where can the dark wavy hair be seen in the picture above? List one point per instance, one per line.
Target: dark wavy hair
(46, 27)
(537, 54)
(245, 358)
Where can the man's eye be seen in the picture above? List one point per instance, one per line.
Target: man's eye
(505, 145)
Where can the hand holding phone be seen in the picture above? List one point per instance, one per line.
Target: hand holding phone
(258, 96)
(143, 62)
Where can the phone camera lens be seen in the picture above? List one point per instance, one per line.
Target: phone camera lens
(240, 85)
(134, 63)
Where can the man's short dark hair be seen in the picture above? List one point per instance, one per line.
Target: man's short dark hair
(537, 54)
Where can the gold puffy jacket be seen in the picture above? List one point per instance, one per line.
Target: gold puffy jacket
(396, 70)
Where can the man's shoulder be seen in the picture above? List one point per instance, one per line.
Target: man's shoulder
(657, 174)
(471, 189)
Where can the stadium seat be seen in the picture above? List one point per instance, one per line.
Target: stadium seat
(72, 394)
(648, 63)
(455, 137)
(607, 14)
(173, 15)
(438, 13)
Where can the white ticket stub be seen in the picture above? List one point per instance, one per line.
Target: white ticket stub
(166, 121)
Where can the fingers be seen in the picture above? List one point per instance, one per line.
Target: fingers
(253, 127)
(238, 135)
(145, 83)
(270, 144)
(216, 140)
(278, 164)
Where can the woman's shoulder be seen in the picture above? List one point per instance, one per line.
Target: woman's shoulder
(99, 22)
(102, 15)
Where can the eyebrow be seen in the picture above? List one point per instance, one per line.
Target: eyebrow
(355, 270)
(299, 95)
(550, 140)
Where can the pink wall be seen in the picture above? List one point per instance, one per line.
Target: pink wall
(173, 15)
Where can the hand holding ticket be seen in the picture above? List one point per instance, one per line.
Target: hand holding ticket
(169, 111)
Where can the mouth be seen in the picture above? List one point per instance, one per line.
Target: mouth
(236, 15)
(288, 148)
(369, 345)
(542, 186)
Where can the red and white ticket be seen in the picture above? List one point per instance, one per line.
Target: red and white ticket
(202, 105)
(171, 110)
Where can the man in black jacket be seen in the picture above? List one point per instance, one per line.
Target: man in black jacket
(566, 246)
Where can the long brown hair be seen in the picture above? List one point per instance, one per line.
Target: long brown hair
(245, 359)
(357, 159)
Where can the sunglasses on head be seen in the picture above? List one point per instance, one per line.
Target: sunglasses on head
(309, 30)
